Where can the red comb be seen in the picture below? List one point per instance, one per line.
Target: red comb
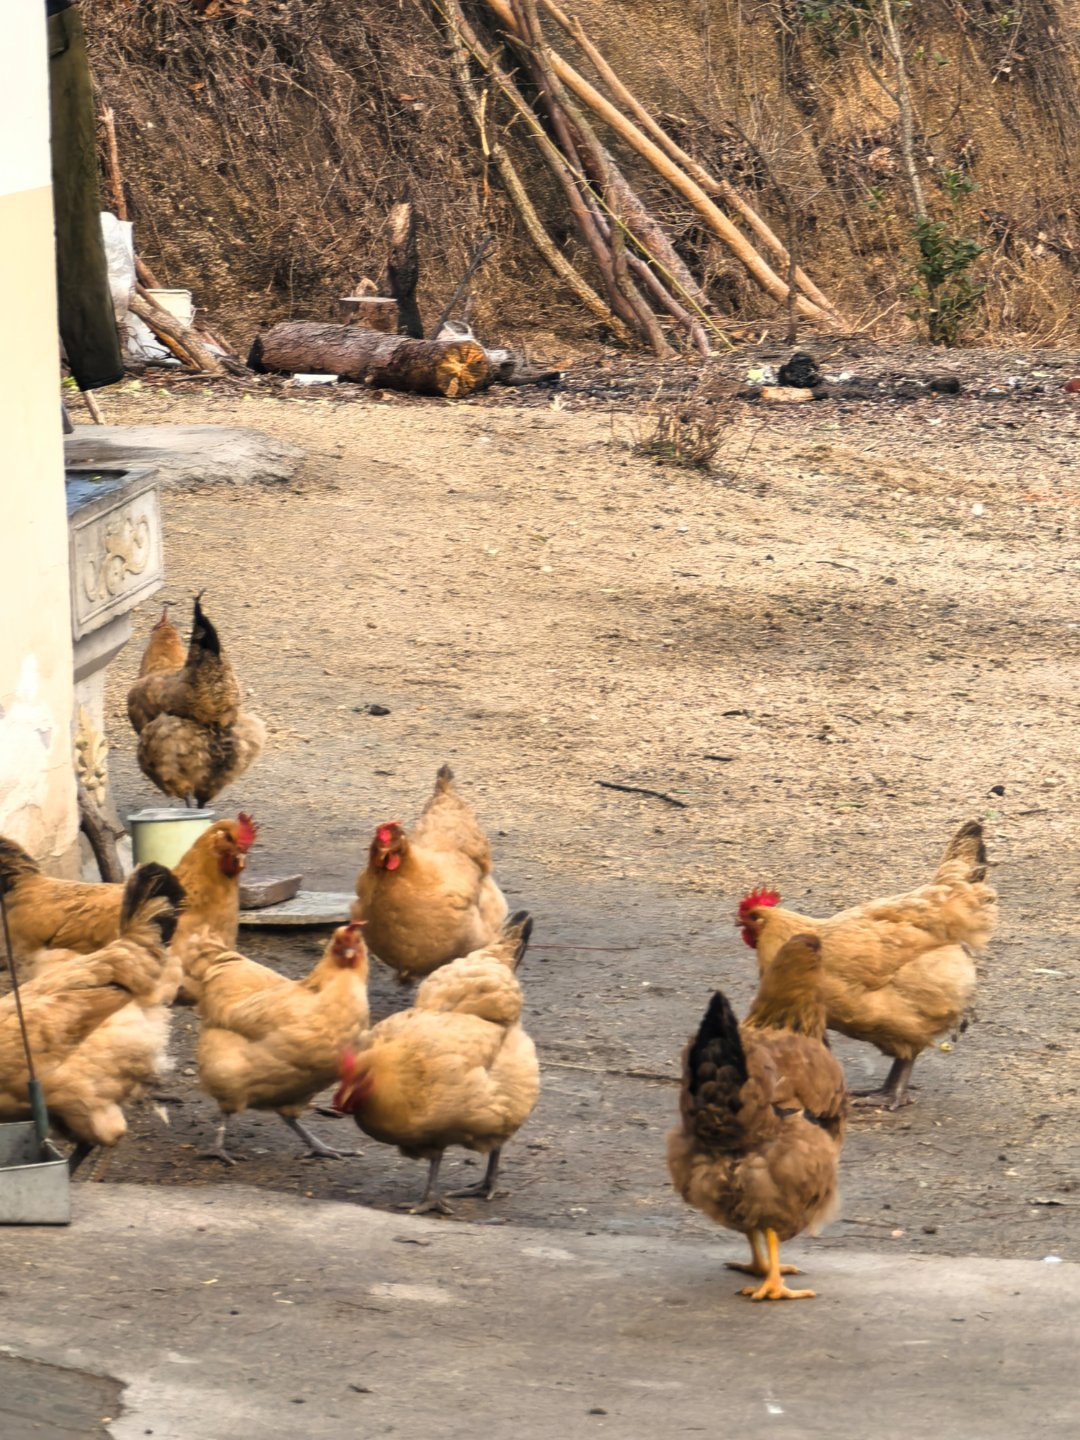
(385, 833)
(756, 897)
(246, 830)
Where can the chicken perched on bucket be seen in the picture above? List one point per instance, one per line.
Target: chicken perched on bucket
(194, 739)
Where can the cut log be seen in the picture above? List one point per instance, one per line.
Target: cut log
(371, 312)
(396, 362)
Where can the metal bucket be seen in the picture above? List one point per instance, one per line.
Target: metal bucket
(35, 1186)
(165, 835)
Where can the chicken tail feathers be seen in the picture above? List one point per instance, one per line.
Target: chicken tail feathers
(965, 858)
(444, 778)
(716, 1071)
(152, 895)
(204, 636)
(14, 864)
(517, 930)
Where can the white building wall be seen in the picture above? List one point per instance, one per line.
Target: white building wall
(37, 788)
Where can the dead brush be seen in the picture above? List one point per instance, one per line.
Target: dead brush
(689, 430)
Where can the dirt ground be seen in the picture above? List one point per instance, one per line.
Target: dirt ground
(858, 631)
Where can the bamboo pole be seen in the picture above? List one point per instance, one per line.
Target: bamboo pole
(112, 163)
(760, 271)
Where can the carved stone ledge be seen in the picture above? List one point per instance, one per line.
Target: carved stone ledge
(114, 527)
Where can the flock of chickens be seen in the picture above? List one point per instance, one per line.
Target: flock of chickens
(763, 1104)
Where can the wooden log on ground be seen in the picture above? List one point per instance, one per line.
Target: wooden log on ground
(394, 362)
(370, 312)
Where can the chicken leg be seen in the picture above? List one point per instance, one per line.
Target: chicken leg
(893, 1093)
(432, 1201)
(483, 1189)
(773, 1287)
(759, 1264)
(218, 1152)
(317, 1147)
(78, 1155)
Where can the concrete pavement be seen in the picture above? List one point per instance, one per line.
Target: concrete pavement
(243, 1315)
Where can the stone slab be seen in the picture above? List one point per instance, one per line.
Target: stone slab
(186, 455)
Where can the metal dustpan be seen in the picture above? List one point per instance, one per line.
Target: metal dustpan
(35, 1186)
(35, 1182)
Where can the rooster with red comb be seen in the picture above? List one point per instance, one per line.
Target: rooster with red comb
(896, 973)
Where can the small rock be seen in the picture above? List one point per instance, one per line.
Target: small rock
(801, 371)
(378, 710)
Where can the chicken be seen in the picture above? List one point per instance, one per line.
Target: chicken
(430, 897)
(165, 653)
(97, 1023)
(896, 973)
(48, 914)
(456, 1069)
(762, 1111)
(210, 871)
(194, 739)
(271, 1043)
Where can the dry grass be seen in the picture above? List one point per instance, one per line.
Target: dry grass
(689, 430)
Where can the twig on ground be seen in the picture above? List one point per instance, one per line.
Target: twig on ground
(642, 790)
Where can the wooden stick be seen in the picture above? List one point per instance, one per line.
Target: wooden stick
(761, 272)
(640, 790)
(112, 163)
(460, 35)
(93, 406)
(145, 275)
(481, 250)
(574, 28)
(170, 329)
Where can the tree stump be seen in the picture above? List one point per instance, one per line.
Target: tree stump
(373, 312)
(394, 362)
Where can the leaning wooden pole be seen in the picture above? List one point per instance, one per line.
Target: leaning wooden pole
(457, 32)
(762, 273)
(722, 188)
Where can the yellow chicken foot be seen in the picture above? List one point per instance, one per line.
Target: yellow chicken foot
(431, 1202)
(773, 1287)
(893, 1093)
(759, 1265)
(218, 1152)
(483, 1189)
(317, 1147)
